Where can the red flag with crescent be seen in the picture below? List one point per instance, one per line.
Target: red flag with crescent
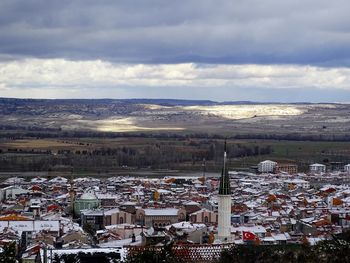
(248, 236)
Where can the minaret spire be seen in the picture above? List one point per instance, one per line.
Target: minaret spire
(224, 188)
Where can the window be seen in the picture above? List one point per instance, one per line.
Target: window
(121, 220)
(206, 219)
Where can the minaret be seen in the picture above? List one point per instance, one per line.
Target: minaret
(204, 170)
(224, 216)
(71, 195)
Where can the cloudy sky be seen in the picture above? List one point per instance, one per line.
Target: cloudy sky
(256, 50)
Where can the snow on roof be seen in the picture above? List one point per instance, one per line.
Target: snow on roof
(88, 196)
(38, 180)
(58, 179)
(201, 211)
(121, 243)
(253, 229)
(308, 219)
(161, 212)
(122, 226)
(268, 161)
(14, 180)
(280, 237)
(70, 226)
(62, 196)
(251, 204)
(112, 211)
(313, 200)
(268, 239)
(191, 203)
(163, 191)
(275, 213)
(186, 226)
(92, 212)
(251, 190)
(67, 223)
(317, 165)
(107, 196)
(296, 181)
(138, 193)
(86, 179)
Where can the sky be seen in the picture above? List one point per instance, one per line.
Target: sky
(223, 50)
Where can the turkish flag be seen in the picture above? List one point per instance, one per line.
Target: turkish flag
(248, 236)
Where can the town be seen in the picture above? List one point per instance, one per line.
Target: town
(174, 131)
(47, 219)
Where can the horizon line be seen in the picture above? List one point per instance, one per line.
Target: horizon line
(177, 99)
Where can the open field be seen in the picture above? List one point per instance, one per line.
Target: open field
(127, 155)
(36, 144)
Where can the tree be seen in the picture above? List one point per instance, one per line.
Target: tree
(8, 254)
(164, 254)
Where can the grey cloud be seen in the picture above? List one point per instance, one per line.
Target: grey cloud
(159, 31)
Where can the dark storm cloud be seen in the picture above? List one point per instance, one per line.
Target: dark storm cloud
(159, 31)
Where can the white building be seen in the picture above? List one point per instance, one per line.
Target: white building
(31, 225)
(317, 168)
(267, 166)
(347, 168)
(11, 192)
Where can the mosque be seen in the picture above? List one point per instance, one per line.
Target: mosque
(87, 200)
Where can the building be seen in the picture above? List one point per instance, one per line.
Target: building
(87, 200)
(189, 231)
(22, 224)
(337, 166)
(205, 216)
(317, 168)
(287, 168)
(224, 200)
(267, 166)
(100, 218)
(160, 217)
(296, 182)
(116, 216)
(12, 192)
(125, 230)
(93, 219)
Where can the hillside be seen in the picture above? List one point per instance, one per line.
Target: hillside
(163, 115)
